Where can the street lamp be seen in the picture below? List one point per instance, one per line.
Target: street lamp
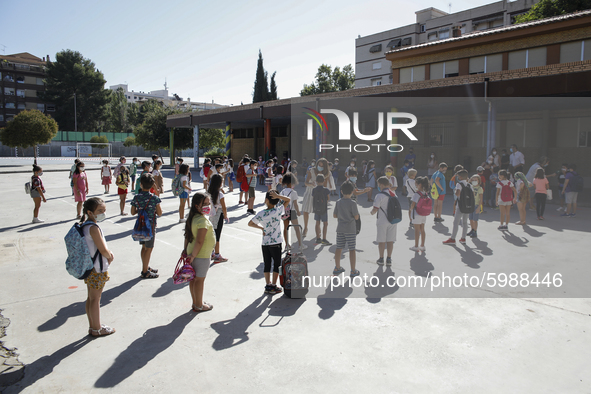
(75, 116)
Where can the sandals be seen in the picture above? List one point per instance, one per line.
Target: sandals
(204, 308)
(355, 273)
(149, 275)
(103, 331)
(154, 270)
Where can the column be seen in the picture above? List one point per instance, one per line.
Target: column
(171, 145)
(228, 139)
(196, 147)
(267, 139)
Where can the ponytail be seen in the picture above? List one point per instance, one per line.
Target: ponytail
(90, 205)
(197, 199)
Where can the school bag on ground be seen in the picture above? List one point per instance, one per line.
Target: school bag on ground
(394, 210)
(294, 267)
(434, 191)
(80, 263)
(142, 231)
(424, 205)
(466, 200)
(506, 192)
(576, 183)
(177, 185)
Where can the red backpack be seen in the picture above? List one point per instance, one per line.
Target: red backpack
(424, 205)
(240, 174)
(506, 192)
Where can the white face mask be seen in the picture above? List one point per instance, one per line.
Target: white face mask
(475, 183)
(100, 217)
(432, 156)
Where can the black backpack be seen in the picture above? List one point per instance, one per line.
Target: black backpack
(394, 210)
(368, 175)
(576, 183)
(319, 202)
(466, 199)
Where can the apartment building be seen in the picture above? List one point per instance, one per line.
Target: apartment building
(432, 25)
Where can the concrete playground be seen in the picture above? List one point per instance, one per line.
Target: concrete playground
(395, 339)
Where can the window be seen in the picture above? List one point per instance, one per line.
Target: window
(376, 48)
(587, 50)
(376, 81)
(1, 118)
(20, 93)
(377, 66)
(8, 78)
(41, 107)
(22, 66)
(407, 41)
(524, 133)
(9, 91)
(243, 133)
(571, 52)
(423, 27)
(517, 60)
(20, 79)
(477, 65)
(278, 132)
(534, 57)
(39, 81)
(412, 74)
(486, 64)
(50, 108)
(441, 134)
(432, 36)
(394, 43)
(443, 34)
(21, 106)
(451, 69)
(10, 105)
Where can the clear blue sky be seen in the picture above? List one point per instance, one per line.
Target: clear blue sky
(206, 50)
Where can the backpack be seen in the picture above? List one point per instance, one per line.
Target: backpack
(287, 209)
(28, 187)
(142, 231)
(368, 175)
(576, 183)
(466, 200)
(506, 192)
(80, 263)
(424, 205)
(452, 182)
(177, 186)
(319, 202)
(240, 174)
(434, 191)
(394, 211)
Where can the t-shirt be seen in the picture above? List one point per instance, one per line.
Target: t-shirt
(185, 178)
(293, 196)
(252, 180)
(381, 203)
(394, 181)
(346, 210)
(106, 171)
(200, 221)
(411, 157)
(516, 159)
(561, 177)
(569, 176)
(270, 220)
(93, 249)
(532, 172)
(37, 183)
(322, 193)
(217, 206)
(117, 169)
(141, 199)
(477, 195)
(411, 186)
(441, 176)
(80, 181)
(540, 185)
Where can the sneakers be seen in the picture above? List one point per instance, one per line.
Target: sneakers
(325, 242)
(388, 261)
(463, 241)
(559, 209)
(355, 273)
(182, 220)
(251, 211)
(474, 234)
(450, 241)
(337, 271)
(565, 214)
(37, 220)
(503, 228)
(318, 241)
(303, 246)
(380, 261)
(572, 215)
(240, 202)
(470, 233)
(438, 220)
(422, 248)
(219, 259)
(272, 289)
(416, 248)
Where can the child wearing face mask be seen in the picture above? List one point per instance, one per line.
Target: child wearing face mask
(389, 173)
(352, 177)
(94, 212)
(106, 175)
(476, 183)
(133, 171)
(80, 187)
(561, 177)
(411, 189)
(37, 191)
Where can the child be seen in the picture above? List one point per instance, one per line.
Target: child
(389, 173)
(370, 176)
(94, 211)
(269, 174)
(418, 221)
(352, 166)
(439, 179)
(206, 168)
(347, 214)
(106, 175)
(330, 179)
(231, 175)
(159, 181)
(403, 173)
(561, 177)
(411, 189)
(493, 179)
(270, 224)
(320, 197)
(242, 168)
(133, 171)
(461, 182)
(292, 210)
(250, 175)
(151, 204)
(277, 179)
(506, 196)
(217, 214)
(122, 182)
(37, 191)
(154, 158)
(335, 175)
(261, 169)
(117, 170)
(523, 195)
(73, 168)
(179, 161)
(476, 181)
(292, 167)
(145, 170)
(184, 196)
(386, 234)
(352, 177)
(80, 187)
(541, 184)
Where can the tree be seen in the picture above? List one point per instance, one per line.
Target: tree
(129, 141)
(99, 140)
(28, 129)
(261, 84)
(550, 8)
(71, 74)
(211, 138)
(119, 113)
(328, 80)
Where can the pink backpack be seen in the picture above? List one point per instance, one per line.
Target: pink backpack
(424, 205)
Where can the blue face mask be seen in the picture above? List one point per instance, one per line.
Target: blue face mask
(320, 168)
(511, 150)
(379, 189)
(353, 179)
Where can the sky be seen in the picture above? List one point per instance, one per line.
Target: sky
(205, 50)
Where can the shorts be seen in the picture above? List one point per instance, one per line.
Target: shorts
(184, 195)
(441, 197)
(418, 219)
(474, 215)
(201, 266)
(571, 197)
(97, 280)
(121, 191)
(35, 193)
(271, 253)
(505, 203)
(346, 239)
(251, 192)
(150, 244)
(322, 217)
(386, 232)
(106, 180)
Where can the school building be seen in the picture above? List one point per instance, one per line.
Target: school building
(549, 60)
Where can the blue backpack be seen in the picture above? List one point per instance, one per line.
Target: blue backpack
(177, 186)
(142, 231)
(80, 263)
(394, 211)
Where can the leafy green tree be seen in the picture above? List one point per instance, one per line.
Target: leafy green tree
(119, 113)
(261, 84)
(96, 139)
(28, 129)
(71, 74)
(329, 80)
(550, 8)
(273, 88)
(129, 141)
(211, 138)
